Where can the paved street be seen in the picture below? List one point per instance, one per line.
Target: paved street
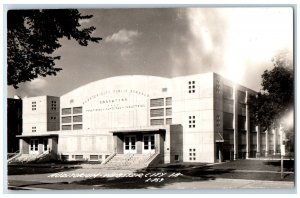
(240, 174)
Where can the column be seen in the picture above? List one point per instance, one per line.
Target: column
(258, 142)
(24, 146)
(235, 124)
(247, 128)
(274, 140)
(267, 143)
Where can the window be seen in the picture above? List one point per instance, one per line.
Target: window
(228, 106)
(227, 120)
(169, 101)
(77, 110)
(157, 122)
(218, 121)
(242, 122)
(33, 129)
(77, 126)
(53, 105)
(77, 118)
(164, 89)
(66, 127)
(156, 112)
(78, 157)
(227, 92)
(192, 154)
(218, 87)
(168, 111)
(157, 102)
(93, 157)
(169, 121)
(242, 109)
(191, 87)
(66, 119)
(241, 96)
(192, 121)
(176, 158)
(66, 111)
(33, 106)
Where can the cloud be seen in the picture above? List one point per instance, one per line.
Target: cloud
(238, 43)
(123, 36)
(34, 88)
(37, 83)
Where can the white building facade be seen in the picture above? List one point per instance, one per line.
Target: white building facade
(195, 118)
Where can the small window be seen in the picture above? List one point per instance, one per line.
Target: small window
(157, 102)
(191, 87)
(77, 118)
(78, 157)
(66, 111)
(66, 119)
(94, 157)
(77, 110)
(66, 127)
(169, 101)
(77, 126)
(33, 106)
(169, 121)
(176, 158)
(168, 111)
(192, 122)
(157, 112)
(33, 129)
(157, 122)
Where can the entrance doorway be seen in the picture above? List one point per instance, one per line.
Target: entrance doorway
(149, 144)
(129, 144)
(45, 145)
(33, 149)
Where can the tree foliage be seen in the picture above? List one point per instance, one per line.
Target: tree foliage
(32, 37)
(276, 97)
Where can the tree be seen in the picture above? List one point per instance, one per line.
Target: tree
(275, 100)
(32, 37)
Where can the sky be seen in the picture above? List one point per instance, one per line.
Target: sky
(238, 43)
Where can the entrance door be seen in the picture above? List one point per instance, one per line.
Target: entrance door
(34, 149)
(45, 145)
(130, 144)
(149, 144)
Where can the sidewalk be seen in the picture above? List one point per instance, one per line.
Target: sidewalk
(220, 183)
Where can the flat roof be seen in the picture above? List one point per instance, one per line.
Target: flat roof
(38, 135)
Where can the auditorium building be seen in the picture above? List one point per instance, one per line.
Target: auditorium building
(194, 118)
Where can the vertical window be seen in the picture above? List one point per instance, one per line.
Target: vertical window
(53, 105)
(33, 129)
(218, 121)
(218, 87)
(192, 154)
(33, 106)
(192, 121)
(241, 96)
(169, 101)
(227, 92)
(191, 87)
